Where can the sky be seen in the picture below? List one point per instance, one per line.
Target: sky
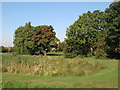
(58, 14)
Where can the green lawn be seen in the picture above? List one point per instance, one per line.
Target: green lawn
(103, 79)
(104, 75)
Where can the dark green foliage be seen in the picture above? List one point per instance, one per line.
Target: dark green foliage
(23, 42)
(84, 33)
(69, 52)
(29, 39)
(113, 39)
(43, 38)
(100, 48)
(95, 34)
(3, 49)
(61, 46)
(54, 43)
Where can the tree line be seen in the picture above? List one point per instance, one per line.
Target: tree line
(95, 33)
(5, 49)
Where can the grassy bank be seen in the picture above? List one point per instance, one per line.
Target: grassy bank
(55, 71)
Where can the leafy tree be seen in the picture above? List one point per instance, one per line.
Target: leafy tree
(113, 19)
(61, 46)
(100, 48)
(29, 39)
(3, 49)
(23, 39)
(43, 37)
(54, 44)
(83, 34)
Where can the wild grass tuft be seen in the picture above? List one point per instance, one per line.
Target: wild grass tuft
(49, 66)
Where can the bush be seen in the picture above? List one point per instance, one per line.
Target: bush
(69, 55)
(100, 48)
(100, 53)
(68, 52)
(3, 49)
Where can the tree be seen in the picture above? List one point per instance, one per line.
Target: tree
(29, 39)
(101, 48)
(83, 34)
(3, 49)
(113, 38)
(61, 46)
(23, 39)
(43, 37)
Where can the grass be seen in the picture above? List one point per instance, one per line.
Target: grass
(100, 80)
(55, 71)
(55, 54)
(50, 66)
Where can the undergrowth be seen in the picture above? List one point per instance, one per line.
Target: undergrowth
(49, 66)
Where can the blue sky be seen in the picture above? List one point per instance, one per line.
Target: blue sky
(58, 14)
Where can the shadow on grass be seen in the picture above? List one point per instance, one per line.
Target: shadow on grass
(54, 54)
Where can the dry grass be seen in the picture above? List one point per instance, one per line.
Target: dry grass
(50, 66)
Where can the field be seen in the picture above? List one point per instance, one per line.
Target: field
(55, 71)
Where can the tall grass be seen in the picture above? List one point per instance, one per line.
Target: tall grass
(49, 66)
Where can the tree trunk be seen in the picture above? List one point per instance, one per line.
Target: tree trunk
(45, 53)
(91, 49)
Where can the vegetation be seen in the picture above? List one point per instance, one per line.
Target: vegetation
(83, 34)
(92, 40)
(49, 66)
(95, 34)
(113, 38)
(57, 72)
(29, 39)
(2, 49)
(23, 39)
(6, 49)
(60, 47)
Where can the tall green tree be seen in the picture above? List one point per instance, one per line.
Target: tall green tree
(82, 35)
(23, 39)
(43, 37)
(113, 19)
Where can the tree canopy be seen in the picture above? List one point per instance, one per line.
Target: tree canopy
(82, 35)
(29, 39)
(95, 33)
(113, 19)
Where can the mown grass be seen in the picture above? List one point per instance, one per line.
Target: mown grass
(102, 79)
(55, 54)
(25, 71)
